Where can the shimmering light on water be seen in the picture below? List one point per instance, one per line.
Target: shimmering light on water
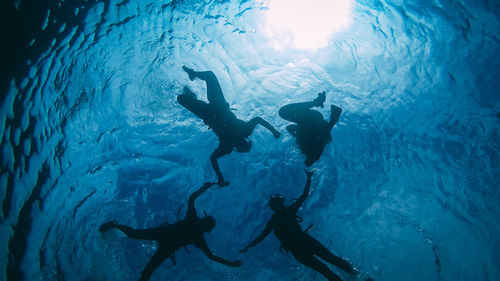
(91, 131)
(306, 24)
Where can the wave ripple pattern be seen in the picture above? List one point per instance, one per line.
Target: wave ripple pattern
(91, 131)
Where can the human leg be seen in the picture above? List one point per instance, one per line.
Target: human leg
(214, 91)
(153, 263)
(295, 112)
(142, 234)
(310, 261)
(301, 112)
(321, 251)
(188, 100)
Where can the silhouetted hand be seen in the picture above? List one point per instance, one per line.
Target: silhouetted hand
(222, 183)
(237, 263)
(309, 172)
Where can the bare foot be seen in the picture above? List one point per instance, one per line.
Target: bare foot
(189, 71)
(320, 99)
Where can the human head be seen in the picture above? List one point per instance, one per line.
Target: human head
(207, 223)
(310, 160)
(276, 202)
(243, 145)
(314, 154)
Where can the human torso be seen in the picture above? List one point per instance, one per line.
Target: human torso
(317, 131)
(312, 136)
(287, 229)
(228, 128)
(182, 233)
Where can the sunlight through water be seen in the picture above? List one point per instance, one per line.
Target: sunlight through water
(91, 131)
(306, 24)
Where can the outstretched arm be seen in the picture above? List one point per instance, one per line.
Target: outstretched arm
(219, 152)
(259, 121)
(218, 259)
(261, 237)
(296, 205)
(191, 209)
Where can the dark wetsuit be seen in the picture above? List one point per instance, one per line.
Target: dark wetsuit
(313, 136)
(231, 131)
(172, 237)
(303, 247)
(312, 133)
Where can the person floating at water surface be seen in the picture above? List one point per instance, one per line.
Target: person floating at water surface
(232, 132)
(311, 132)
(303, 246)
(172, 237)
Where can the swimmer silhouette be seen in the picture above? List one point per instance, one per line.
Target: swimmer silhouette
(172, 237)
(232, 132)
(311, 132)
(303, 246)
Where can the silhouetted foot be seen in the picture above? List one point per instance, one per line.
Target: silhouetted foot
(222, 183)
(107, 226)
(320, 99)
(335, 114)
(189, 71)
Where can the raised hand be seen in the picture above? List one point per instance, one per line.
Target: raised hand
(221, 182)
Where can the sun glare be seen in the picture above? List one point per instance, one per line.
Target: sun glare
(306, 24)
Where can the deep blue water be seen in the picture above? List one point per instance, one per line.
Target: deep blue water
(91, 131)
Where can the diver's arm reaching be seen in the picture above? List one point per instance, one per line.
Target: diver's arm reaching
(260, 238)
(191, 208)
(218, 259)
(219, 152)
(296, 205)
